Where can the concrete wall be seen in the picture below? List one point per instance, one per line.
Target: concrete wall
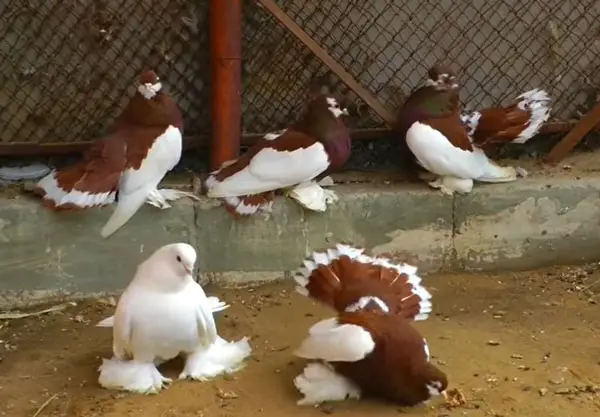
(522, 225)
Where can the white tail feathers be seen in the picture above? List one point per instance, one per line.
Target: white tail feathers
(382, 279)
(219, 358)
(138, 377)
(127, 206)
(319, 383)
(537, 102)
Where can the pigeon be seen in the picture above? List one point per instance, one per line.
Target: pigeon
(370, 348)
(296, 161)
(127, 165)
(438, 138)
(162, 314)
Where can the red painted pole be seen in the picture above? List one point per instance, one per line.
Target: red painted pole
(226, 79)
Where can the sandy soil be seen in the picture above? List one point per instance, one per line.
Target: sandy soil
(516, 344)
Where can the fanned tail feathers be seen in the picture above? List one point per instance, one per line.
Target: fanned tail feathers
(348, 280)
(537, 102)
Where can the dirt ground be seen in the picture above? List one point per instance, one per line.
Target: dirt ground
(516, 344)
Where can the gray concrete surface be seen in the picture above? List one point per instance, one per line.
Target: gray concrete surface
(522, 225)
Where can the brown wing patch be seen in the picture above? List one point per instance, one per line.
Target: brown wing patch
(397, 369)
(500, 125)
(453, 129)
(98, 173)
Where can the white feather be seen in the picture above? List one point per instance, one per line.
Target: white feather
(141, 378)
(214, 304)
(274, 135)
(222, 357)
(436, 154)
(331, 342)
(318, 383)
(364, 301)
(79, 198)
(426, 347)
(538, 103)
(312, 196)
(136, 185)
(321, 258)
(271, 170)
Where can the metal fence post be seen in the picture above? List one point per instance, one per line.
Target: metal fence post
(226, 85)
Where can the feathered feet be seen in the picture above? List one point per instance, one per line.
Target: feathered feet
(319, 383)
(313, 196)
(449, 185)
(160, 198)
(132, 376)
(222, 357)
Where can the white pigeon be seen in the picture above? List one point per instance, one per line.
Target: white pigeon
(164, 313)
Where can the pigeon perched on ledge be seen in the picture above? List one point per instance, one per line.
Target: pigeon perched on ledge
(438, 138)
(127, 165)
(294, 161)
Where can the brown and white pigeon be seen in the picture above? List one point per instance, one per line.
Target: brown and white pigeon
(370, 348)
(296, 160)
(127, 165)
(439, 140)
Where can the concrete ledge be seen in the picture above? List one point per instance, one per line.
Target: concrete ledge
(522, 225)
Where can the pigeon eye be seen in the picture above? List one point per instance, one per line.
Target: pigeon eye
(178, 258)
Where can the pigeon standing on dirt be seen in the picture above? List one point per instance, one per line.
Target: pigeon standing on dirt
(164, 313)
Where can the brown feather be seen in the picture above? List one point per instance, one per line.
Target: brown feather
(397, 369)
(344, 281)
(98, 173)
(500, 124)
(453, 129)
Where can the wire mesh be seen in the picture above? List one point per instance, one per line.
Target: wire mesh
(499, 48)
(67, 68)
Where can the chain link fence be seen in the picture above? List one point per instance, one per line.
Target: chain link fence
(67, 68)
(500, 48)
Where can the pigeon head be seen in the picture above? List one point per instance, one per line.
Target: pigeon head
(442, 77)
(437, 381)
(327, 106)
(149, 85)
(176, 260)
(183, 258)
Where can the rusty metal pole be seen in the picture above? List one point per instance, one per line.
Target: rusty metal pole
(226, 79)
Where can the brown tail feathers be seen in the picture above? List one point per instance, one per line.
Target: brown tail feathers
(346, 279)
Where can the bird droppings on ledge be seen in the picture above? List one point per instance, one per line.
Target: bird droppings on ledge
(57, 353)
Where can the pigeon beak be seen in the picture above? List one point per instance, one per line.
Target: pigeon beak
(345, 112)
